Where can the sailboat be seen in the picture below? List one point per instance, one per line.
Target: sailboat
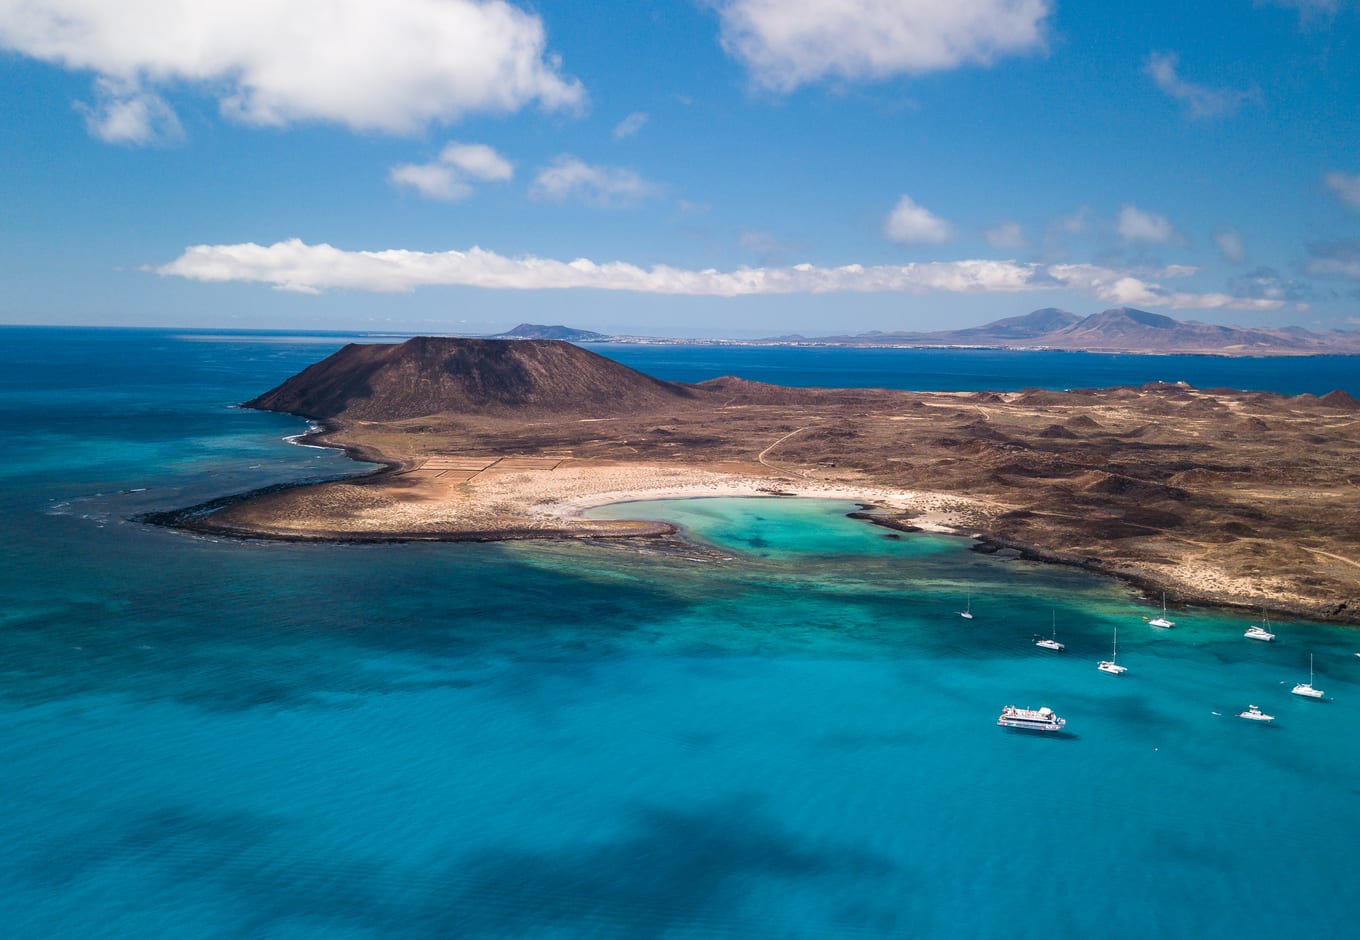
(1262, 633)
(1306, 688)
(967, 612)
(1052, 644)
(1112, 665)
(1162, 621)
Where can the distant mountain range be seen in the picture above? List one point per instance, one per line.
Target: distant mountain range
(1122, 329)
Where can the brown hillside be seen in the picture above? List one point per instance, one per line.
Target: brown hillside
(437, 375)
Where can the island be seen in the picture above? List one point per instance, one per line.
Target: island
(1213, 495)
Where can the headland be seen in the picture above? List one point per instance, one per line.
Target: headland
(1214, 495)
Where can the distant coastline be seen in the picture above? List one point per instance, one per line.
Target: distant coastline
(1119, 330)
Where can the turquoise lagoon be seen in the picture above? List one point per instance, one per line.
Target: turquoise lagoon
(784, 730)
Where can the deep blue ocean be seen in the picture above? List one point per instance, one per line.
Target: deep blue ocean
(790, 735)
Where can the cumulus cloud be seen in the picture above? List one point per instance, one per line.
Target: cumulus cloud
(447, 178)
(788, 43)
(297, 266)
(395, 66)
(1200, 101)
(431, 180)
(1005, 236)
(477, 161)
(601, 186)
(1230, 246)
(1135, 225)
(630, 125)
(1346, 188)
(123, 113)
(915, 225)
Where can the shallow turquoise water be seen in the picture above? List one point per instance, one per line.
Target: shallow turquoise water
(790, 733)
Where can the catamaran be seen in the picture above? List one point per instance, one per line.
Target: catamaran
(967, 612)
(1306, 688)
(1162, 621)
(1111, 665)
(1030, 719)
(1254, 632)
(1051, 644)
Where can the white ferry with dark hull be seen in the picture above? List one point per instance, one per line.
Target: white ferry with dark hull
(1030, 719)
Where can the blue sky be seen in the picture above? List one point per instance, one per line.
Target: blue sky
(689, 167)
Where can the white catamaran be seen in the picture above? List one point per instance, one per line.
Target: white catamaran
(1051, 643)
(1162, 621)
(1306, 688)
(1262, 632)
(1111, 665)
(1030, 719)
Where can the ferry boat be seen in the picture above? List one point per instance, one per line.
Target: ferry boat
(1030, 719)
(1255, 714)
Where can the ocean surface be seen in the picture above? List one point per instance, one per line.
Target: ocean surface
(787, 732)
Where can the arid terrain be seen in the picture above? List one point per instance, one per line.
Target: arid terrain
(1216, 495)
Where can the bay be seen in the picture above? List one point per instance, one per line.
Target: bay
(790, 733)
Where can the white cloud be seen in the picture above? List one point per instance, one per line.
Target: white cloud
(1135, 225)
(447, 177)
(915, 224)
(431, 180)
(477, 161)
(395, 66)
(296, 266)
(1005, 236)
(1200, 101)
(1230, 245)
(602, 186)
(1345, 186)
(630, 125)
(788, 43)
(125, 114)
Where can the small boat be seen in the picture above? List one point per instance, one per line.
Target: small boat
(1112, 665)
(1162, 621)
(1030, 719)
(1262, 632)
(1052, 643)
(967, 612)
(1255, 714)
(1306, 688)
